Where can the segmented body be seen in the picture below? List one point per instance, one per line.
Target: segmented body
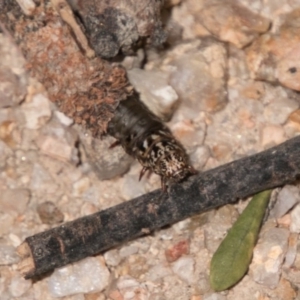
(146, 138)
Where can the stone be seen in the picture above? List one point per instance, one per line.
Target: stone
(112, 257)
(106, 162)
(292, 250)
(199, 157)
(49, 213)
(89, 275)
(131, 187)
(41, 180)
(37, 112)
(59, 142)
(272, 135)
(19, 285)
(269, 59)
(190, 136)
(81, 186)
(155, 91)
(295, 219)
(287, 197)
(128, 250)
(13, 78)
(158, 272)
(184, 268)
(130, 288)
(8, 255)
(246, 289)
(63, 119)
(207, 61)
(177, 250)
(6, 222)
(214, 296)
(14, 200)
(268, 257)
(234, 23)
(278, 105)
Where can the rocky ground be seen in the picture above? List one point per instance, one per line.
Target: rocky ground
(228, 86)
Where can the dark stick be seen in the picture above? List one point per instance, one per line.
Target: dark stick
(92, 234)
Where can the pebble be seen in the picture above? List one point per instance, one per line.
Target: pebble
(272, 135)
(131, 289)
(269, 59)
(6, 223)
(106, 162)
(187, 134)
(49, 213)
(279, 106)
(235, 23)
(155, 91)
(199, 157)
(63, 119)
(177, 250)
(184, 268)
(8, 255)
(292, 250)
(295, 219)
(131, 187)
(89, 275)
(246, 289)
(55, 148)
(41, 180)
(13, 78)
(214, 296)
(14, 200)
(208, 62)
(37, 112)
(18, 286)
(81, 186)
(268, 257)
(287, 197)
(112, 257)
(158, 272)
(128, 250)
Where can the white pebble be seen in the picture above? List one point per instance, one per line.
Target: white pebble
(286, 199)
(8, 255)
(37, 112)
(268, 257)
(18, 286)
(112, 257)
(295, 219)
(184, 268)
(128, 250)
(89, 275)
(65, 120)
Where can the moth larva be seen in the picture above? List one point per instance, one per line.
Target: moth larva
(145, 137)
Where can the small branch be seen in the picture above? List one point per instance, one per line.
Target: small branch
(92, 234)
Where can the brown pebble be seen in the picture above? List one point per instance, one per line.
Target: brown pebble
(49, 213)
(295, 116)
(177, 250)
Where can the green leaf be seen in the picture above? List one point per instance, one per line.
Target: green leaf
(231, 260)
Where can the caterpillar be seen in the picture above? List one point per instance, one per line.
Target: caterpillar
(146, 138)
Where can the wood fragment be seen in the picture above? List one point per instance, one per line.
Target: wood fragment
(95, 233)
(88, 90)
(67, 15)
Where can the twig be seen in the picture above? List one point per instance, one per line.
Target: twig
(92, 234)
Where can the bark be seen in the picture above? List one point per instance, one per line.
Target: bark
(85, 88)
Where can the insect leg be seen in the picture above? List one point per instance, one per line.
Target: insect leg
(115, 144)
(143, 171)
